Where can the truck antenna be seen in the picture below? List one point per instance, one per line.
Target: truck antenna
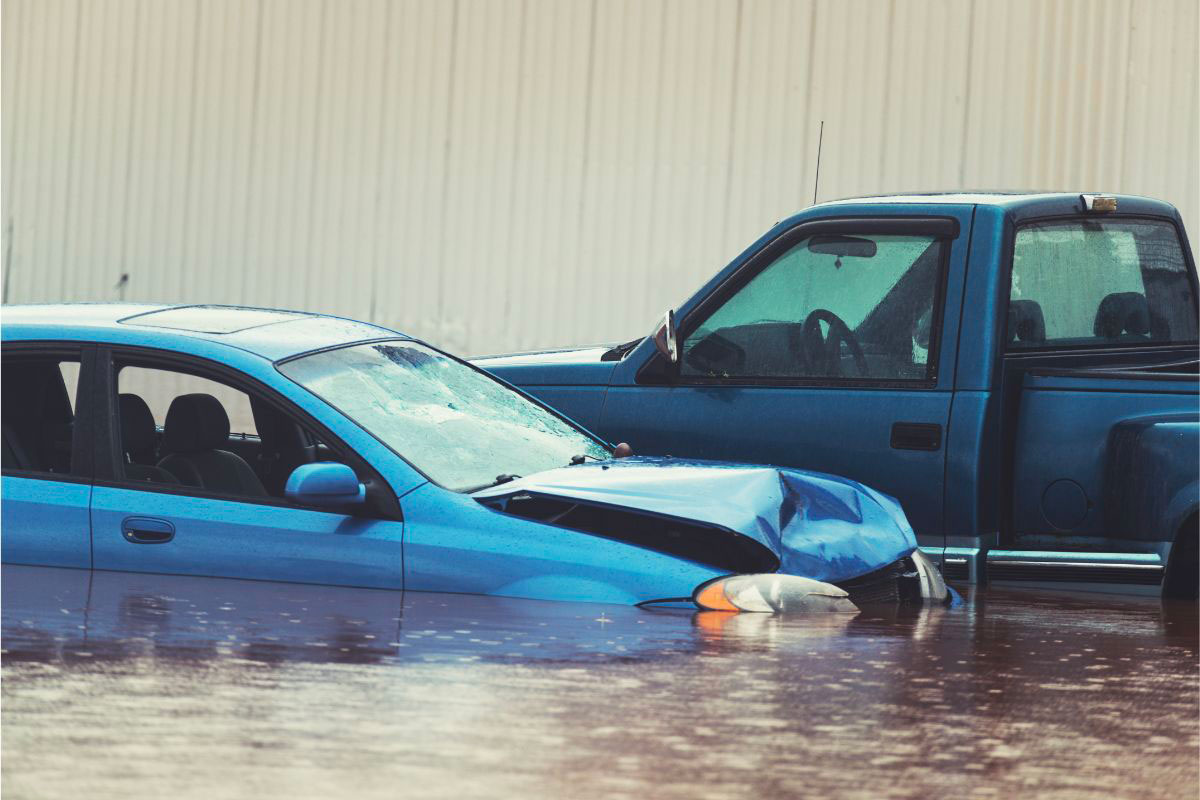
(817, 178)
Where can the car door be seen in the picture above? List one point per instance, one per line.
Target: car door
(176, 517)
(46, 468)
(829, 349)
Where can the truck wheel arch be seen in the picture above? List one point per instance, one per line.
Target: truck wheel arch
(1181, 579)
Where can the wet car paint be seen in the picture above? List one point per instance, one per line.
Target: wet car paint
(419, 536)
(818, 526)
(121, 685)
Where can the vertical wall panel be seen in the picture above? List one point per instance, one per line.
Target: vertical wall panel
(505, 174)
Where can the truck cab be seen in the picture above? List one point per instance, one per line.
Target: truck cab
(1019, 370)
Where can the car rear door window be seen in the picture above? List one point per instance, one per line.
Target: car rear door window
(831, 307)
(1089, 282)
(39, 414)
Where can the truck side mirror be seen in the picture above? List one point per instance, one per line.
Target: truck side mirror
(664, 337)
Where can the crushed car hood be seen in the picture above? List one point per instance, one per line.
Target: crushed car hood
(819, 526)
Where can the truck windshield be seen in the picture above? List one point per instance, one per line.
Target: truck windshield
(460, 427)
(1099, 282)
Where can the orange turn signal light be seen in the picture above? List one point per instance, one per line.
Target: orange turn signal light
(771, 593)
(712, 598)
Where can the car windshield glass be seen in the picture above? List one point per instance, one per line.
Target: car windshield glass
(459, 426)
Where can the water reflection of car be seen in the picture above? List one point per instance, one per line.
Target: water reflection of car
(51, 613)
(361, 457)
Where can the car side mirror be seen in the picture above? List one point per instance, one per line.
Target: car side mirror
(325, 484)
(664, 338)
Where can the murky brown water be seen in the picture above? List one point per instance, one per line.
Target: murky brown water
(127, 686)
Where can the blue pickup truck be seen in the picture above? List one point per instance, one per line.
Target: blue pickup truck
(1019, 370)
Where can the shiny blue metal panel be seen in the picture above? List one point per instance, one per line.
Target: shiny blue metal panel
(45, 522)
(972, 465)
(639, 415)
(225, 538)
(1151, 476)
(102, 322)
(840, 431)
(1131, 384)
(543, 368)
(982, 328)
(455, 544)
(819, 526)
(279, 341)
(1065, 436)
(582, 404)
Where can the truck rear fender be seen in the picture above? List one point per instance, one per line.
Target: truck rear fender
(1151, 477)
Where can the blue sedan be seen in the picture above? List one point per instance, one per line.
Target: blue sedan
(284, 446)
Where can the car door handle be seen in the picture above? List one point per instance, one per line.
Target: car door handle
(147, 530)
(916, 436)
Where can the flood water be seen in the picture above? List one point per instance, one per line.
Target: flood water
(143, 686)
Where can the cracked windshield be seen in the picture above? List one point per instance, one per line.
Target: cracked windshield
(460, 428)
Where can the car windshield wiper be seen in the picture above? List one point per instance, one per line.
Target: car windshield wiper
(582, 457)
(502, 478)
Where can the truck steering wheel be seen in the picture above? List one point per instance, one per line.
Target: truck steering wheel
(821, 354)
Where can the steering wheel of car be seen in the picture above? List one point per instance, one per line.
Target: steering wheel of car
(823, 354)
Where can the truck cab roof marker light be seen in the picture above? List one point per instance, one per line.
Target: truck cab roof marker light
(1098, 203)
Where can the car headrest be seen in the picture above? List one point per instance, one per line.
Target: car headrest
(1122, 312)
(196, 422)
(137, 424)
(1025, 322)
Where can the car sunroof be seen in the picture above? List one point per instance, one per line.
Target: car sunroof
(210, 319)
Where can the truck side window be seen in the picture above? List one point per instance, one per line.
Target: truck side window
(1099, 282)
(837, 307)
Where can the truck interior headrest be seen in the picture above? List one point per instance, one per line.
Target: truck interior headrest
(1026, 322)
(1122, 312)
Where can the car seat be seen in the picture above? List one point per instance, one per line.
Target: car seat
(197, 428)
(138, 441)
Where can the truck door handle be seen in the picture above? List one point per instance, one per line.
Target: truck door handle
(916, 436)
(147, 530)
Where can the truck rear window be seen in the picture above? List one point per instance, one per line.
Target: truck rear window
(1099, 283)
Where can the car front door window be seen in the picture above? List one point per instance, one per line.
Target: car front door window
(200, 462)
(830, 307)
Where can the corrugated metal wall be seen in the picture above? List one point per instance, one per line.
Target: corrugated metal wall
(505, 174)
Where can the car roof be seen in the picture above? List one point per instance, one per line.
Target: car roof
(267, 332)
(1043, 201)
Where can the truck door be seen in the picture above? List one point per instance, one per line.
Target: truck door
(829, 349)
